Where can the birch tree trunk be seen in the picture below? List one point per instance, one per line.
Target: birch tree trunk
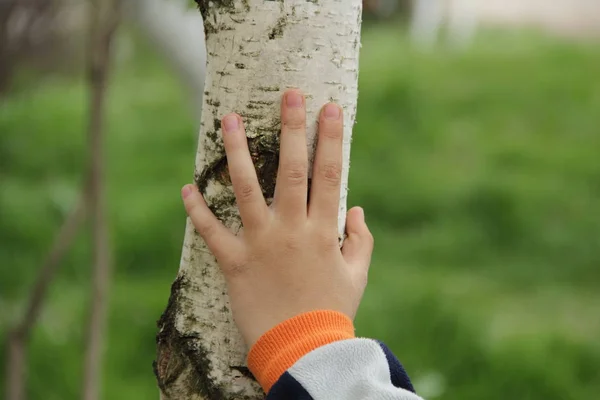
(255, 50)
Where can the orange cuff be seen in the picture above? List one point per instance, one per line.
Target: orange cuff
(278, 349)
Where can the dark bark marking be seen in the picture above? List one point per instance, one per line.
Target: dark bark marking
(244, 371)
(277, 30)
(264, 151)
(175, 351)
(211, 8)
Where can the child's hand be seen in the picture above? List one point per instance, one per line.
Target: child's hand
(287, 261)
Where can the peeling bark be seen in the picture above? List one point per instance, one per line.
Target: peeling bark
(256, 49)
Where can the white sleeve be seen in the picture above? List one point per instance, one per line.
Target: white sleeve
(354, 369)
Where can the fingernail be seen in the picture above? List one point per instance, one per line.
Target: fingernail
(293, 99)
(332, 111)
(231, 123)
(361, 212)
(187, 190)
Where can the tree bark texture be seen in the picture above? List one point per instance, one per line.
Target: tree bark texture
(256, 49)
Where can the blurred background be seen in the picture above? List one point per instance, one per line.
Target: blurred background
(474, 156)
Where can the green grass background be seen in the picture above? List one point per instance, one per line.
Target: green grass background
(478, 171)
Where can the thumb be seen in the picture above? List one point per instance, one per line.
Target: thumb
(216, 236)
(358, 246)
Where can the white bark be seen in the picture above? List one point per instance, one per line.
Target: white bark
(256, 49)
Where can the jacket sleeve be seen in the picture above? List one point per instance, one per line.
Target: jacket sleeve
(315, 356)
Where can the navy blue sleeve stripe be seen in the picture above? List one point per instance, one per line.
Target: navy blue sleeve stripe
(287, 388)
(398, 374)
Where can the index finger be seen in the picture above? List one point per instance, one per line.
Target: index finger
(250, 200)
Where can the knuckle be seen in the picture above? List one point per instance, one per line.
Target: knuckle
(334, 132)
(291, 246)
(331, 172)
(245, 192)
(292, 243)
(327, 238)
(194, 206)
(235, 267)
(369, 238)
(295, 124)
(191, 208)
(206, 230)
(295, 172)
(235, 143)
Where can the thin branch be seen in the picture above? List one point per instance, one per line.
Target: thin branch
(7, 8)
(17, 340)
(104, 21)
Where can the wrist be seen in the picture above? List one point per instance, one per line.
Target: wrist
(282, 346)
